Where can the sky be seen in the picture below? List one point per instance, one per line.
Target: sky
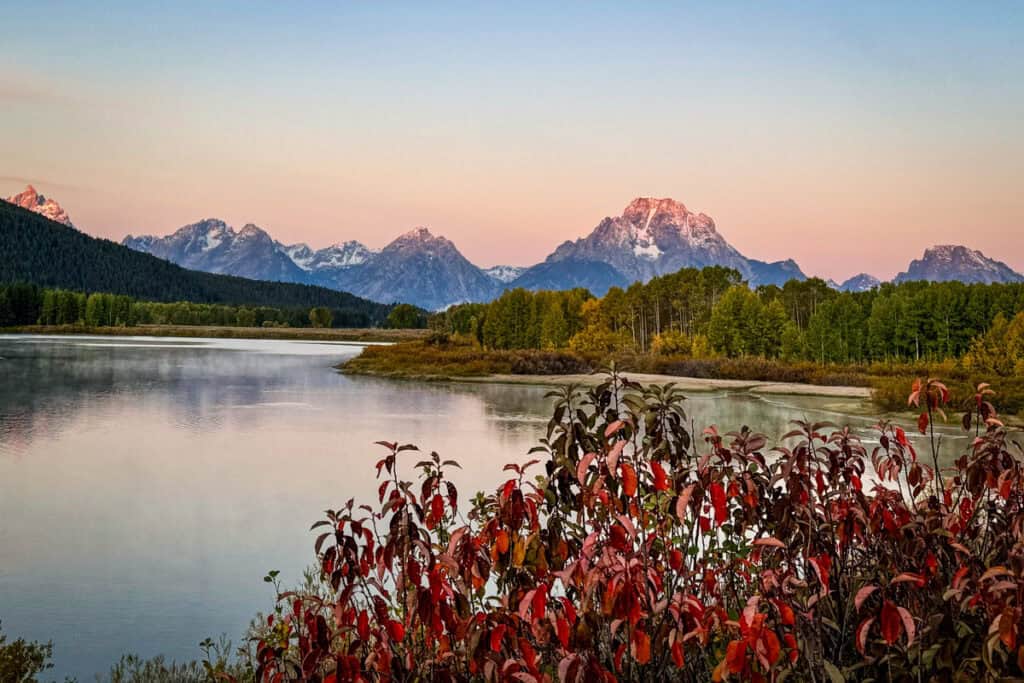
(847, 136)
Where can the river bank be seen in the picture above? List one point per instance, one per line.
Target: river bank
(224, 332)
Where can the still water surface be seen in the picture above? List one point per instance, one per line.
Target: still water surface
(148, 484)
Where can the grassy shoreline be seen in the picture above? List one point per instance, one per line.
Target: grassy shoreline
(225, 332)
(881, 387)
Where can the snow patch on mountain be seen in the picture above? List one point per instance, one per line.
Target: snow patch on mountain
(505, 273)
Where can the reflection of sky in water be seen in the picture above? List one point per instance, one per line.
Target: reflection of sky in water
(147, 485)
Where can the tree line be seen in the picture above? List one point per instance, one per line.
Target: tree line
(711, 312)
(25, 304)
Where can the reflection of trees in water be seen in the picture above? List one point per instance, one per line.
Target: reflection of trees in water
(48, 385)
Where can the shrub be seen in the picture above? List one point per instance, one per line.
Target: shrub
(630, 550)
(671, 344)
(549, 363)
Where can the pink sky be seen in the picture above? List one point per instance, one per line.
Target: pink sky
(847, 139)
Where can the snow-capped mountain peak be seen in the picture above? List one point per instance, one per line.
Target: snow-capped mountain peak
(655, 236)
(30, 199)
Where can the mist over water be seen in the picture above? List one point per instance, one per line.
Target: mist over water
(147, 485)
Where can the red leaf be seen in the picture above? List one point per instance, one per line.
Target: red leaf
(822, 565)
(771, 646)
(628, 479)
(677, 654)
(540, 601)
(436, 509)
(396, 630)
(718, 501)
(861, 635)
(501, 541)
(363, 625)
(909, 577)
(642, 646)
(863, 595)
(675, 559)
(736, 656)
(768, 540)
(496, 637)
(684, 501)
(891, 622)
(786, 615)
(660, 478)
(922, 423)
(563, 631)
(908, 624)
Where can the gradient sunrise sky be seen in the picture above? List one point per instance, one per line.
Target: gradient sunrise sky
(848, 136)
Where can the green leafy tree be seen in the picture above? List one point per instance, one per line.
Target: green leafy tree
(321, 316)
(405, 316)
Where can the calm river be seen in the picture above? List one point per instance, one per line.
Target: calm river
(147, 485)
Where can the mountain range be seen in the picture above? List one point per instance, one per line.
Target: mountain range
(651, 237)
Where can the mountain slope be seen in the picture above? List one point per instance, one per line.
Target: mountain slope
(658, 236)
(946, 262)
(417, 268)
(33, 201)
(40, 251)
(596, 276)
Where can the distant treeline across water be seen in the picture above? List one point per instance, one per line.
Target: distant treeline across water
(710, 312)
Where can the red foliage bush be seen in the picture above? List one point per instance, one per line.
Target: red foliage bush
(630, 552)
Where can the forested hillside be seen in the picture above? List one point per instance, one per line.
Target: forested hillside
(39, 251)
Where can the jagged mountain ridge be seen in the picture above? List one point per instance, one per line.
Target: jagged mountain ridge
(946, 262)
(213, 246)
